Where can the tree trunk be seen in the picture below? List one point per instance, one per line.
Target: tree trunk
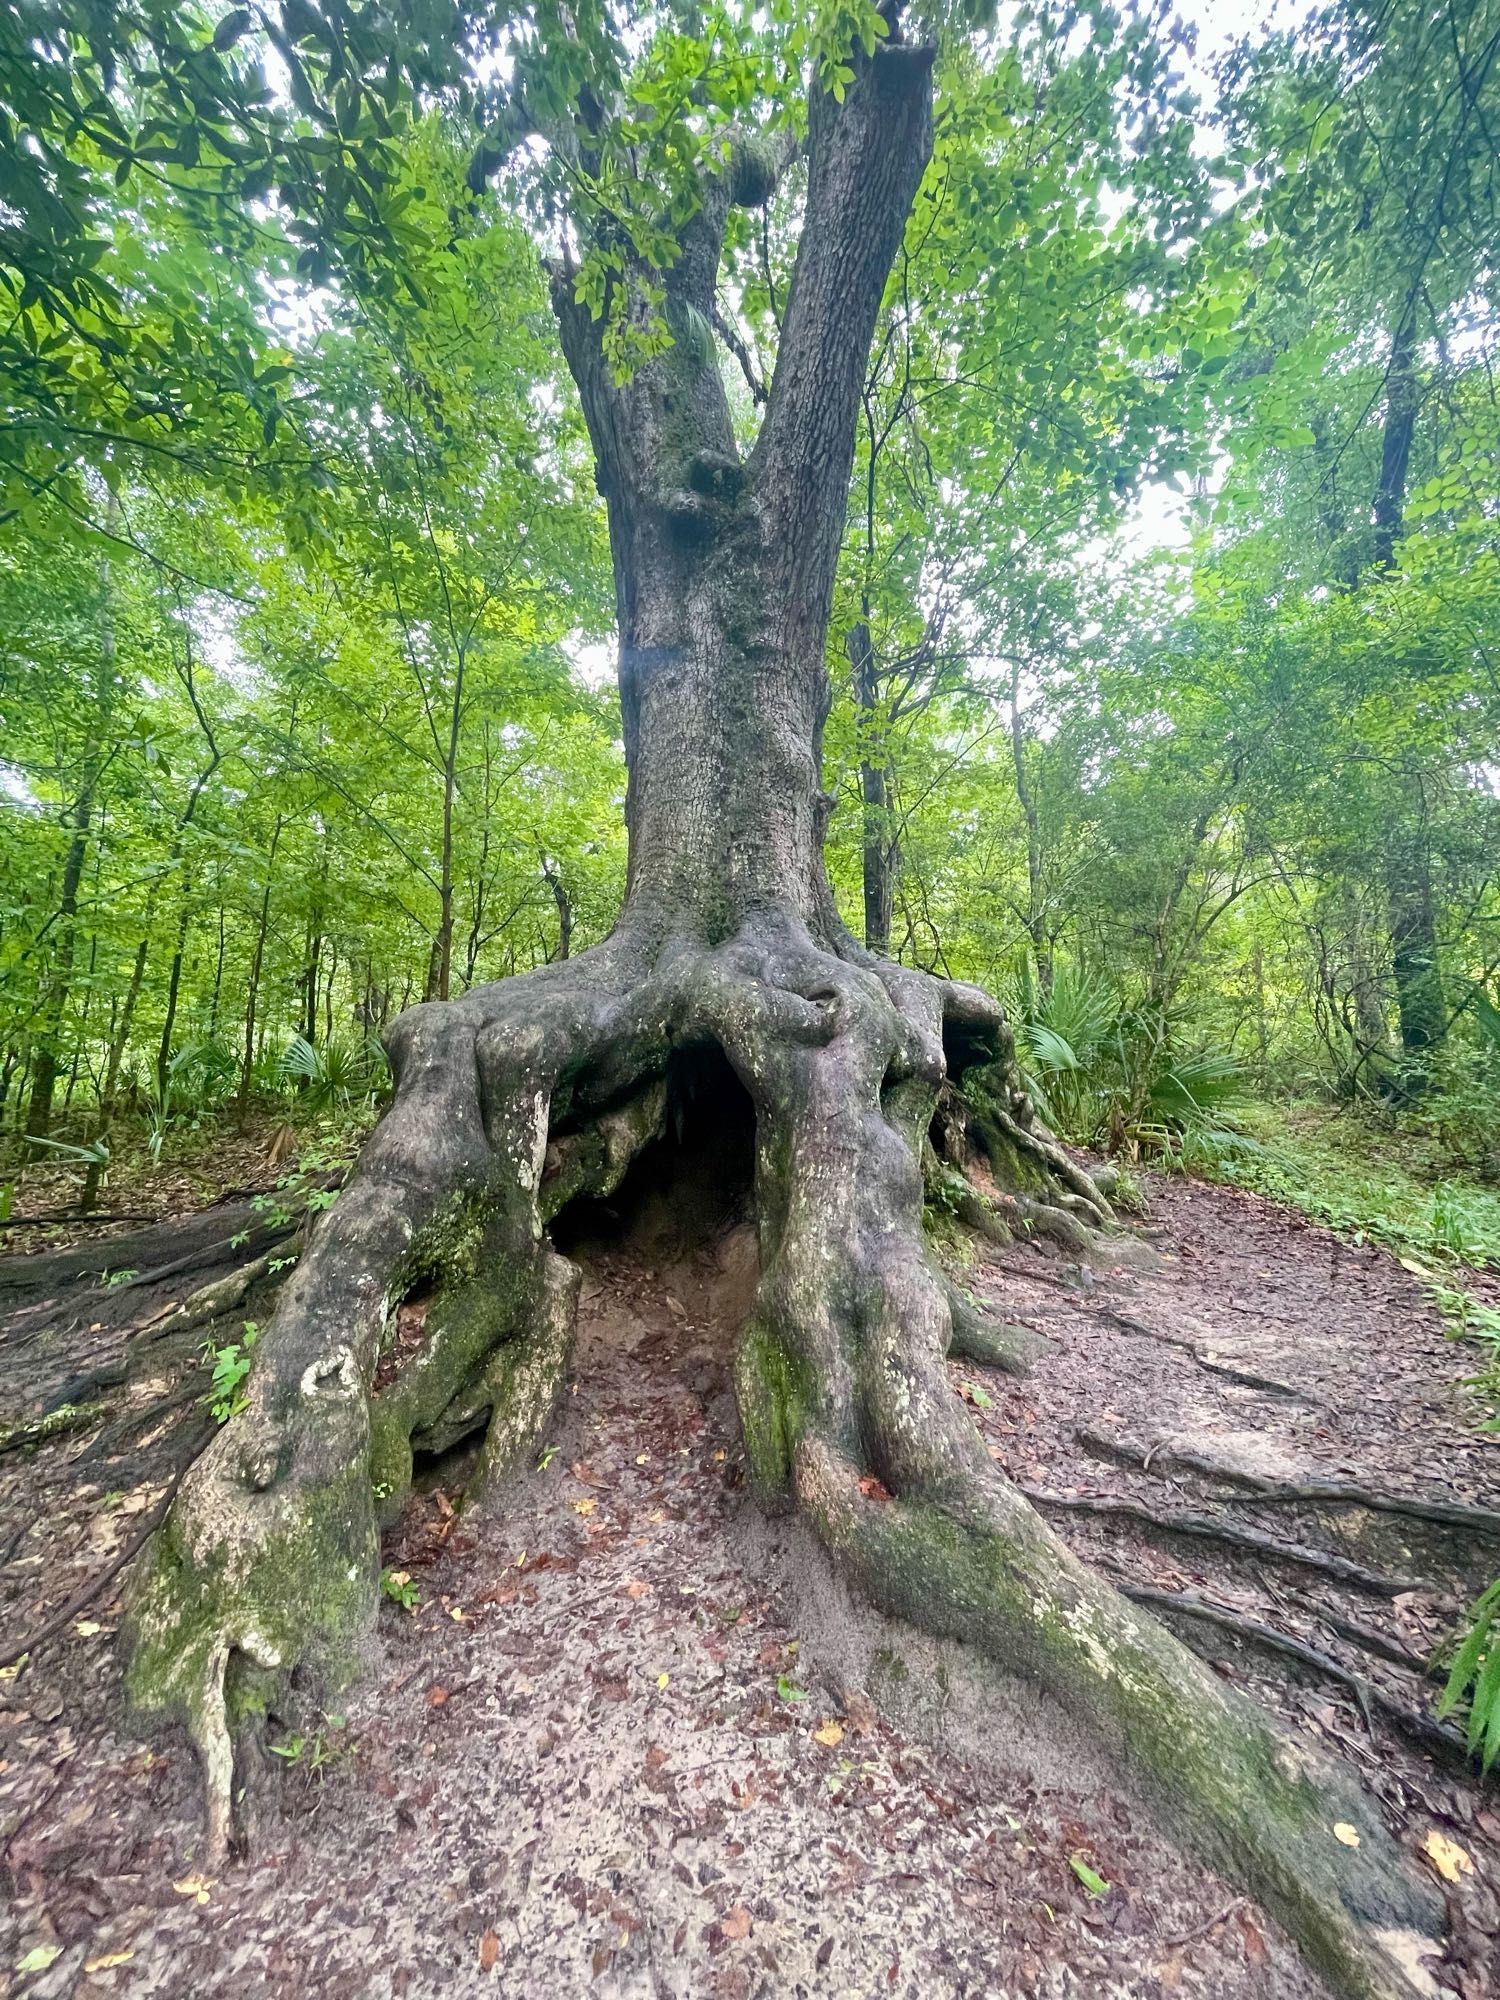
(47, 1063)
(1420, 1004)
(1036, 913)
(878, 839)
(257, 962)
(521, 1096)
(119, 1043)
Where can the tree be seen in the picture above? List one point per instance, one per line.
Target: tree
(729, 954)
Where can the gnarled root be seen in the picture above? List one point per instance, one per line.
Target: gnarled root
(520, 1097)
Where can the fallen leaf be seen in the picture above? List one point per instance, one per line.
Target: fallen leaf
(1346, 1833)
(831, 1734)
(1094, 1883)
(9, 1673)
(736, 1923)
(196, 1886)
(109, 1961)
(87, 1628)
(1255, 1944)
(436, 1696)
(662, 1680)
(636, 1589)
(872, 1488)
(489, 1951)
(39, 1958)
(583, 1506)
(1446, 1856)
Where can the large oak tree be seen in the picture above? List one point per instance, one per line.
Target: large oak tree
(639, 137)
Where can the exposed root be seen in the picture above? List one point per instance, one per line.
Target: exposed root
(1207, 1528)
(993, 1343)
(1413, 1722)
(524, 1096)
(1334, 1492)
(22, 1432)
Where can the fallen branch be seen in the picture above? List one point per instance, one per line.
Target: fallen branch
(1206, 1528)
(1412, 1722)
(1341, 1493)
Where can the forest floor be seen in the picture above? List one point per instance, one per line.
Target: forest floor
(625, 1743)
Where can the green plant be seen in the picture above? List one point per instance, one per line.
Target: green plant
(396, 1584)
(231, 1366)
(1106, 1074)
(1474, 1678)
(314, 1753)
(337, 1075)
(199, 1076)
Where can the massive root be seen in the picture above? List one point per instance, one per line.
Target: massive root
(261, 1590)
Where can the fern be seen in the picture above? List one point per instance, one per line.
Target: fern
(1475, 1678)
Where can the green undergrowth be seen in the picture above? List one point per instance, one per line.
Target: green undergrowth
(1371, 1183)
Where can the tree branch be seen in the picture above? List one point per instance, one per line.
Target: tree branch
(866, 158)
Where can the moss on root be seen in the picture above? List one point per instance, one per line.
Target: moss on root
(773, 1397)
(1251, 1796)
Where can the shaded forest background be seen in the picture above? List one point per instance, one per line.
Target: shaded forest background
(1167, 642)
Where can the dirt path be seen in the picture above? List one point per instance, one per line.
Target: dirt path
(600, 1757)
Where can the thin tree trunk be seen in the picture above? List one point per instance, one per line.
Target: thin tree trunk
(881, 851)
(119, 1042)
(47, 1061)
(1036, 922)
(257, 961)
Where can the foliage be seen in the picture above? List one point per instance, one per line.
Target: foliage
(1474, 1678)
(1161, 650)
(1104, 1073)
(231, 1368)
(397, 1585)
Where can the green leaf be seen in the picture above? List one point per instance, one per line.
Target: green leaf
(1094, 1883)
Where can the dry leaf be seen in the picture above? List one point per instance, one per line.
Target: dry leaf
(736, 1923)
(872, 1488)
(636, 1589)
(1447, 1857)
(109, 1961)
(1255, 1944)
(662, 1680)
(489, 1951)
(436, 1696)
(583, 1506)
(831, 1734)
(196, 1886)
(86, 1628)
(1346, 1833)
